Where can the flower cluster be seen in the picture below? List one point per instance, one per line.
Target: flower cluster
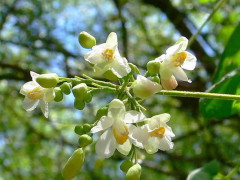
(120, 130)
(122, 123)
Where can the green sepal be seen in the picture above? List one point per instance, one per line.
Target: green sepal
(58, 94)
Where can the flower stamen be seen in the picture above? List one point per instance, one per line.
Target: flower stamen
(35, 94)
(121, 136)
(108, 55)
(179, 58)
(159, 132)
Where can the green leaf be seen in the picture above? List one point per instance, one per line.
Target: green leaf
(226, 81)
(207, 172)
(230, 59)
(214, 108)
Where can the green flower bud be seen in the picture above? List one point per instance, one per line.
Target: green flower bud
(153, 67)
(47, 80)
(87, 128)
(74, 164)
(134, 68)
(88, 97)
(80, 91)
(85, 140)
(79, 104)
(79, 130)
(66, 88)
(155, 79)
(134, 172)
(126, 165)
(110, 75)
(86, 40)
(102, 112)
(58, 94)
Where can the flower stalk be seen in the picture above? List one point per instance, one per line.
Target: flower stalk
(199, 95)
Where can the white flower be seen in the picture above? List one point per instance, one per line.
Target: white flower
(35, 94)
(116, 127)
(106, 57)
(173, 61)
(154, 135)
(144, 88)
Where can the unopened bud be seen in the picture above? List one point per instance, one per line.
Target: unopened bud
(134, 68)
(58, 94)
(79, 130)
(74, 164)
(79, 104)
(110, 75)
(86, 40)
(66, 88)
(87, 128)
(155, 79)
(80, 91)
(134, 172)
(88, 97)
(153, 67)
(144, 88)
(101, 112)
(47, 80)
(170, 83)
(126, 165)
(85, 140)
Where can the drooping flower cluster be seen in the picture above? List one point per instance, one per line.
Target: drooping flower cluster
(120, 129)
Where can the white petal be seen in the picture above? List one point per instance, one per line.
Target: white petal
(29, 104)
(165, 117)
(139, 136)
(165, 144)
(106, 144)
(49, 95)
(112, 41)
(134, 117)
(166, 70)
(124, 148)
(152, 145)
(104, 123)
(161, 58)
(120, 66)
(169, 133)
(28, 87)
(190, 62)
(116, 109)
(179, 46)
(178, 71)
(44, 108)
(95, 55)
(34, 75)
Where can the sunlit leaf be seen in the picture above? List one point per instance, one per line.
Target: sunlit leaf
(207, 172)
(214, 108)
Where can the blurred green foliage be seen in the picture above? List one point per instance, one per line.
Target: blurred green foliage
(42, 36)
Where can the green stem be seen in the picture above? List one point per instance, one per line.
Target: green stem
(217, 6)
(135, 103)
(99, 82)
(233, 172)
(199, 95)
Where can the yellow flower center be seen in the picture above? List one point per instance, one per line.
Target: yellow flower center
(159, 132)
(108, 55)
(121, 134)
(35, 94)
(179, 58)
